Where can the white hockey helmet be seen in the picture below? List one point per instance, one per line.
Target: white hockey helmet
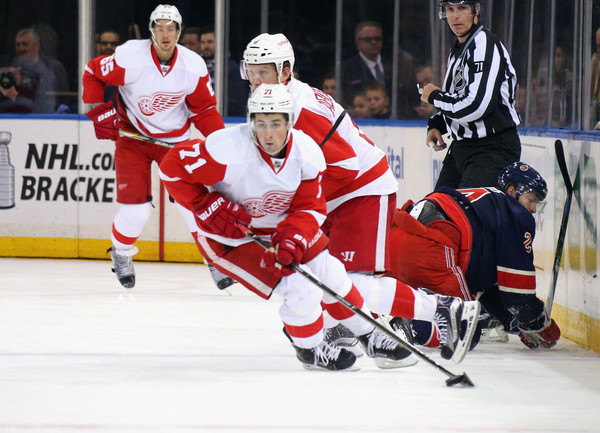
(271, 98)
(267, 48)
(166, 12)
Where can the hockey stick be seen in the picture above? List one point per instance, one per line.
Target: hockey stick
(560, 243)
(453, 379)
(123, 133)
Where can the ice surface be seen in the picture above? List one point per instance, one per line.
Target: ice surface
(79, 353)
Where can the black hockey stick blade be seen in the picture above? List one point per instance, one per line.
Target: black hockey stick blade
(461, 380)
(560, 243)
(454, 379)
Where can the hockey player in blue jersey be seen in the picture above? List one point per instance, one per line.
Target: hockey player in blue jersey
(477, 243)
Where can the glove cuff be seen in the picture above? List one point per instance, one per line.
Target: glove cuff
(537, 324)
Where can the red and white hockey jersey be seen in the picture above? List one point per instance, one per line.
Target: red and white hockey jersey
(275, 192)
(355, 166)
(160, 100)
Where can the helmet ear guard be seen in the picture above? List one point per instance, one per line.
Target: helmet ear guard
(525, 178)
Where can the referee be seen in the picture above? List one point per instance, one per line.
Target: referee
(476, 104)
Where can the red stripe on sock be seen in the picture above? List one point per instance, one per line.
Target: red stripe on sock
(404, 301)
(122, 238)
(434, 341)
(305, 331)
(339, 312)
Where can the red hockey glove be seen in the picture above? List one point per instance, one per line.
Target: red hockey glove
(106, 122)
(289, 246)
(218, 215)
(546, 335)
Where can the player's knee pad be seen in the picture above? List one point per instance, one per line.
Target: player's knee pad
(331, 272)
(132, 216)
(302, 300)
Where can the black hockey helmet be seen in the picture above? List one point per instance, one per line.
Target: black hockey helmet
(524, 178)
(443, 3)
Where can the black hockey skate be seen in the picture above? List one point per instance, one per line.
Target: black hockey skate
(123, 265)
(325, 356)
(385, 351)
(492, 330)
(341, 336)
(457, 321)
(221, 280)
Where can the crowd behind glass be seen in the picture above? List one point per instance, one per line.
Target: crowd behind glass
(554, 45)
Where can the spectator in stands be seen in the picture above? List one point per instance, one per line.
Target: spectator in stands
(360, 106)
(368, 65)
(40, 75)
(423, 77)
(108, 41)
(328, 85)
(378, 100)
(12, 98)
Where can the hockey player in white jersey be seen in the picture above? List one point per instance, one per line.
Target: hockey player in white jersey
(360, 190)
(267, 176)
(163, 88)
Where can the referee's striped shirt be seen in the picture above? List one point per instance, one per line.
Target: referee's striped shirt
(478, 95)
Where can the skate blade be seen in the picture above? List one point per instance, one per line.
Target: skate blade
(469, 318)
(385, 363)
(354, 367)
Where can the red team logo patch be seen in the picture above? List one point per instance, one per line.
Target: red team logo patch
(274, 202)
(159, 102)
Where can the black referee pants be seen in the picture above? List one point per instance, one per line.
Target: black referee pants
(477, 162)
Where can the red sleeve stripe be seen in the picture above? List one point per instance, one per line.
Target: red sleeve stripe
(516, 281)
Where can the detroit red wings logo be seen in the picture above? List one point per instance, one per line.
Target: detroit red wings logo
(159, 102)
(273, 202)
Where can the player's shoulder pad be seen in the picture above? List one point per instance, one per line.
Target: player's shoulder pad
(230, 145)
(521, 214)
(133, 53)
(305, 98)
(308, 149)
(193, 61)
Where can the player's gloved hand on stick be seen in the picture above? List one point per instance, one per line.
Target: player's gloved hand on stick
(288, 247)
(541, 332)
(106, 121)
(218, 215)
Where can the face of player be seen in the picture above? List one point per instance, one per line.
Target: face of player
(165, 35)
(378, 102)
(360, 108)
(207, 45)
(190, 41)
(531, 202)
(262, 74)
(460, 18)
(271, 132)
